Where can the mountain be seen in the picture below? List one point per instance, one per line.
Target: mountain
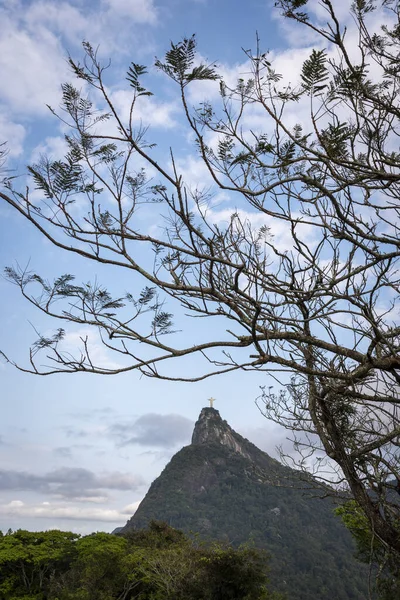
(223, 487)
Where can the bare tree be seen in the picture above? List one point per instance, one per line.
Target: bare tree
(317, 309)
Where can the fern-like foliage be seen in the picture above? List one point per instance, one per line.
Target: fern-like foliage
(133, 74)
(202, 72)
(179, 61)
(225, 149)
(353, 83)
(314, 73)
(81, 71)
(286, 153)
(107, 153)
(291, 9)
(162, 323)
(334, 139)
(40, 180)
(66, 176)
(48, 342)
(74, 103)
(62, 178)
(147, 295)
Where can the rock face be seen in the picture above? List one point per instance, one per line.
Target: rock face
(211, 429)
(223, 487)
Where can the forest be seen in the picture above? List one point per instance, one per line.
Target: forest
(153, 564)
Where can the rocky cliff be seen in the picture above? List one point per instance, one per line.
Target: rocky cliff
(211, 429)
(223, 487)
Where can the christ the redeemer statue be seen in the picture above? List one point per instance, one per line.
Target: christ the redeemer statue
(211, 401)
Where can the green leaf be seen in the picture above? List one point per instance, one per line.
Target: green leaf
(40, 181)
(290, 9)
(334, 140)
(133, 74)
(202, 72)
(225, 149)
(80, 71)
(314, 73)
(179, 60)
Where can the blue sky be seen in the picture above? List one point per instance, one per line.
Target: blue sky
(79, 452)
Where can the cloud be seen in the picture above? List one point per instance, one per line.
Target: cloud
(73, 483)
(63, 452)
(35, 37)
(102, 413)
(342, 11)
(54, 148)
(269, 438)
(75, 433)
(32, 64)
(198, 91)
(194, 172)
(282, 238)
(47, 510)
(13, 134)
(130, 509)
(99, 354)
(163, 431)
(139, 11)
(148, 111)
(56, 16)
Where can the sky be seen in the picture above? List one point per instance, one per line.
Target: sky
(78, 452)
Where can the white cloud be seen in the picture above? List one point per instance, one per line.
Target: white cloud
(194, 172)
(269, 438)
(33, 65)
(48, 510)
(139, 11)
(165, 431)
(147, 110)
(289, 63)
(199, 91)
(35, 38)
(54, 148)
(342, 11)
(99, 355)
(61, 17)
(75, 483)
(297, 35)
(279, 229)
(130, 509)
(102, 23)
(13, 134)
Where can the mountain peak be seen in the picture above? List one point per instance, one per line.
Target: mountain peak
(211, 429)
(225, 488)
(207, 426)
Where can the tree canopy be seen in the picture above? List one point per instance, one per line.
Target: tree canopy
(309, 295)
(152, 564)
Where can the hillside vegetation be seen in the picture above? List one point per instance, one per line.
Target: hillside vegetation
(222, 487)
(159, 563)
